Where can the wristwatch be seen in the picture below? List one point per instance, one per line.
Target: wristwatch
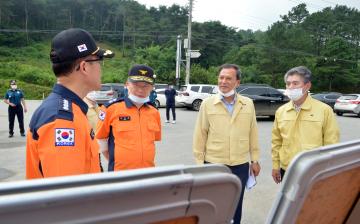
(254, 161)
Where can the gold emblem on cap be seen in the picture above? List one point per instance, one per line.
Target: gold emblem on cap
(143, 72)
(108, 52)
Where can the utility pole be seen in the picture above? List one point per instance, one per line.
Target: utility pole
(187, 77)
(178, 59)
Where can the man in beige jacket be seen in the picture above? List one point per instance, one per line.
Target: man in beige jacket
(226, 130)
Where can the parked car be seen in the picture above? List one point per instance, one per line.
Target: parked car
(266, 98)
(192, 95)
(160, 86)
(161, 99)
(108, 92)
(327, 97)
(349, 103)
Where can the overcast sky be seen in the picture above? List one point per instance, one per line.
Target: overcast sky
(247, 14)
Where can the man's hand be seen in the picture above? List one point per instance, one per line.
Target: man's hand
(276, 176)
(25, 109)
(12, 105)
(255, 168)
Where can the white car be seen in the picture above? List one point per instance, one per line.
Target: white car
(349, 103)
(192, 95)
(161, 99)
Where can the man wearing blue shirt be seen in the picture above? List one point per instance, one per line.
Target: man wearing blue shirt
(15, 98)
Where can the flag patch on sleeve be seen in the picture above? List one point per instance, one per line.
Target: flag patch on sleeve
(64, 137)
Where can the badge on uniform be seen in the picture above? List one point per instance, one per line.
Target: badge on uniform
(102, 115)
(64, 137)
(124, 118)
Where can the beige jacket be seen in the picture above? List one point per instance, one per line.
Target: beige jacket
(221, 138)
(314, 126)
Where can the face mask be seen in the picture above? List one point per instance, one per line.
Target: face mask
(230, 93)
(294, 94)
(138, 100)
(13, 87)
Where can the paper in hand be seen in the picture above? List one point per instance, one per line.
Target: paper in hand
(251, 182)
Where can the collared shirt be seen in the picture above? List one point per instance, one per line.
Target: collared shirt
(220, 137)
(229, 106)
(60, 141)
(14, 96)
(313, 126)
(131, 133)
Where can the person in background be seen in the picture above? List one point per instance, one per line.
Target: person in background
(60, 140)
(170, 94)
(15, 98)
(226, 131)
(152, 97)
(129, 127)
(301, 124)
(92, 114)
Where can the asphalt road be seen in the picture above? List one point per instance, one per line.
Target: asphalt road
(175, 148)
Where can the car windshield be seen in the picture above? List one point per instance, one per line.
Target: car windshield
(105, 88)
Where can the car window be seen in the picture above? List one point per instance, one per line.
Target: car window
(332, 96)
(183, 88)
(207, 89)
(105, 88)
(255, 91)
(195, 88)
(160, 86)
(349, 97)
(161, 92)
(274, 93)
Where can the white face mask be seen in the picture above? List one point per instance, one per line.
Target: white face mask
(230, 93)
(138, 100)
(294, 94)
(13, 87)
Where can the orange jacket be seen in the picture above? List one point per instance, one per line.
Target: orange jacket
(131, 134)
(60, 141)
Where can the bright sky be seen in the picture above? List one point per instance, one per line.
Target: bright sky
(248, 14)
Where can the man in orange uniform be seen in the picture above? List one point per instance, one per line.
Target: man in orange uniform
(60, 140)
(129, 126)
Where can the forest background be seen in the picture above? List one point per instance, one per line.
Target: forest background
(327, 42)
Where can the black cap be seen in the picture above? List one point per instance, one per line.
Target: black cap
(74, 43)
(141, 73)
(12, 82)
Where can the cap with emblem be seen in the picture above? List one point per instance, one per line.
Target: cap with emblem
(141, 73)
(74, 43)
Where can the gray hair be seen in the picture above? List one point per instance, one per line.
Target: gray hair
(233, 66)
(302, 71)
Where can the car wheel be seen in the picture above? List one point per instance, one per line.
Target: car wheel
(196, 105)
(157, 104)
(339, 113)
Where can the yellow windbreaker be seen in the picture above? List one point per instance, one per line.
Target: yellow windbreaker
(225, 139)
(312, 127)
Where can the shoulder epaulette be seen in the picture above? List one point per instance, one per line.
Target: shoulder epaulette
(65, 109)
(113, 101)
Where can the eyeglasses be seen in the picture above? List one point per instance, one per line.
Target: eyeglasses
(89, 60)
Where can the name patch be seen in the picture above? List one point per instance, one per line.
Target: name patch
(64, 137)
(125, 118)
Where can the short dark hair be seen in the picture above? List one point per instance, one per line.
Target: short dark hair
(63, 68)
(233, 66)
(302, 71)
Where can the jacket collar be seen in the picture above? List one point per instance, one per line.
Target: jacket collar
(305, 106)
(68, 94)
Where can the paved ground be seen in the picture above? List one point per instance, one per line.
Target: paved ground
(175, 148)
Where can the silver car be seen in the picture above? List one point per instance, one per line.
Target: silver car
(108, 92)
(349, 103)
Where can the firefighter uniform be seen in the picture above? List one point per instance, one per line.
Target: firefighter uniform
(131, 133)
(60, 140)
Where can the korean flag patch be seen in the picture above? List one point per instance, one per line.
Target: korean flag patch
(82, 48)
(102, 115)
(64, 137)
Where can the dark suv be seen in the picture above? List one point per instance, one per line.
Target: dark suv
(266, 98)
